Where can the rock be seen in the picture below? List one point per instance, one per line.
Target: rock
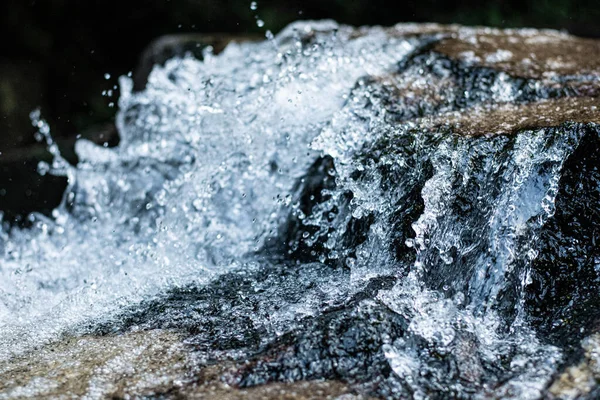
(152, 363)
(443, 245)
(465, 84)
(511, 118)
(526, 53)
(580, 380)
(134, 364)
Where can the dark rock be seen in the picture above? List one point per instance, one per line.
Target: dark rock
(563, 298)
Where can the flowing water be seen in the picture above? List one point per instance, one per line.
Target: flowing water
(274, 196)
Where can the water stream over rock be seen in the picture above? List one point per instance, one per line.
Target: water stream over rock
(405, 212)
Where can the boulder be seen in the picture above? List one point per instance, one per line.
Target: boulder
(443, 245)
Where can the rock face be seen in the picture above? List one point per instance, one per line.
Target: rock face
(437, 241)
(152, 363)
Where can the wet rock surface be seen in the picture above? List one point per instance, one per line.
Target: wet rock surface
(150, 364)
(438, 240)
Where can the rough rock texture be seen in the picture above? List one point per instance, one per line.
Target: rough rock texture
(580, 380)
(508, 118)
(149, 364)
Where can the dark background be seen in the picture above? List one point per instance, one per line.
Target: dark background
(55, 53)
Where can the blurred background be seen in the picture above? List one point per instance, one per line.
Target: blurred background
(65, 56)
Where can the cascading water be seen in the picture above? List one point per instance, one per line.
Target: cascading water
(281, 195)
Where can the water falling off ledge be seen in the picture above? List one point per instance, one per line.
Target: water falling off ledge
(394, 210)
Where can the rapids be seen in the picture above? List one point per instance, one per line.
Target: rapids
(280, 195)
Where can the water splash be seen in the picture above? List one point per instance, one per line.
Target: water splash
(196, 182)
(417, 231)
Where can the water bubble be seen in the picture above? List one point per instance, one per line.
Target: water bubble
(197, 204)
(43, 168)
